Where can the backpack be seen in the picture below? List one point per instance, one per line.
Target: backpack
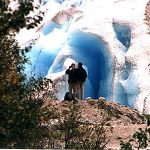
(68, 97)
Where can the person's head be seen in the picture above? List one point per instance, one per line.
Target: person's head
(79, 64)
(73, 5)
(72, 65)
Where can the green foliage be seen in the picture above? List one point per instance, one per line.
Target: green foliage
(148, 119)
(20, 113)
(139, 139)
(71, 132)
(125, 146)
(42, 88)
(14, 20)
(70, 125)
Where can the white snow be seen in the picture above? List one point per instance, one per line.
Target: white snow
(97, 18)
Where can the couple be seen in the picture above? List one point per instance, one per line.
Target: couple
(76, 79)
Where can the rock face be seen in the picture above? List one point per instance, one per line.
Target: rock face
(96, 111)
(123, 114)
(123, 122)
(110, 37)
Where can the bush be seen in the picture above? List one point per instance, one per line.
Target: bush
(20, 111)
(71, 132)
(139, 139)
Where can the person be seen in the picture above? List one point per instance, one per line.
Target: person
(72, 79)
(81, 77)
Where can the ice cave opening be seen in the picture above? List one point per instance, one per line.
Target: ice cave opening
(91, 50)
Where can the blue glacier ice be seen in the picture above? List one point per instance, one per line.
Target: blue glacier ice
(123, 33)
(93, 52)
(40, 62)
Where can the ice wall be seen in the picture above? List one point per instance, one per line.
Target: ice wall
(91, 50)
(110, 37)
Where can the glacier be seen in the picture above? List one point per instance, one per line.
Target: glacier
(111, 39)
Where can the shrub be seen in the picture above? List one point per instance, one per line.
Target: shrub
(139, 139)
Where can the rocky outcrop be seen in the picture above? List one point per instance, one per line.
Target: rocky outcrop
(120, 121)
(122, 113)
(95, 111)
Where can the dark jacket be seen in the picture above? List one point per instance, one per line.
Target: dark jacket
(72, 78)
(81, 74)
